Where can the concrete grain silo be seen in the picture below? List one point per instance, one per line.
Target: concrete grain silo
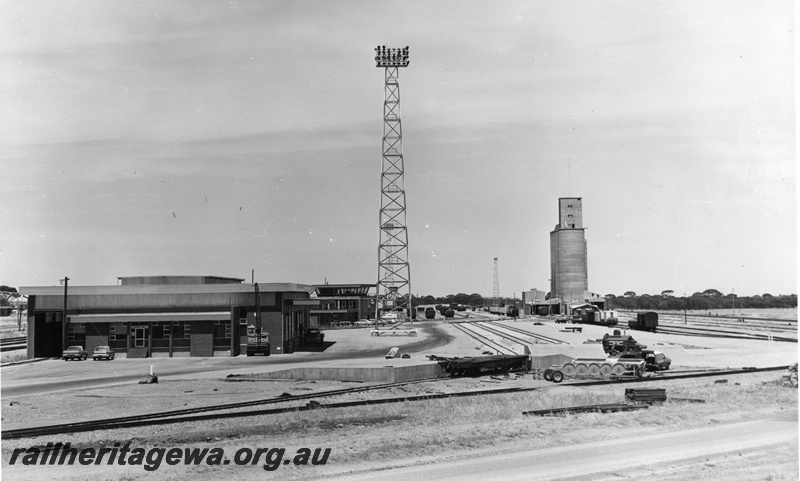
(569, 277)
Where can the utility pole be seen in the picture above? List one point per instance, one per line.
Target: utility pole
(393, 291)
(64, 323)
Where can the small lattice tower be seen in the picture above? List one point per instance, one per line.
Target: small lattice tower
(496, 292)
(394, 274)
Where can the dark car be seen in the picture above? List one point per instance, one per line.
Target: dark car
(656, 361)
(315, 337)
(103, 352)
(74, 352)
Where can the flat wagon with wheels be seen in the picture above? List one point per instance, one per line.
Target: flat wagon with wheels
(471, 366)
(610, 368)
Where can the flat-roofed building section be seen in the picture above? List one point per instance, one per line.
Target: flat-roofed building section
(177, 280)
(342, 304)
(166, 318)
(569, 276)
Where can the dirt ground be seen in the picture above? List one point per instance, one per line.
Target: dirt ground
(362, 439)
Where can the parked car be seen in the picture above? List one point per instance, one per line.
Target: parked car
(103, 352)
(74, 352)
(314, 337)
(363, 322)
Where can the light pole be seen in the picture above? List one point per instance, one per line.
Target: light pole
(685, 301)
(733, 297)
(64, 326)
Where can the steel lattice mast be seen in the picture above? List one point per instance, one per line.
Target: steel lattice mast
(394, 274)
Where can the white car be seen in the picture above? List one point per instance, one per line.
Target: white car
(363, 323)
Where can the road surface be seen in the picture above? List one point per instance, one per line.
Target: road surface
(614, 458)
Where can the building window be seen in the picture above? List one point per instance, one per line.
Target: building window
(243, 321)
(569, 206)
(222, 330)
(187, 331)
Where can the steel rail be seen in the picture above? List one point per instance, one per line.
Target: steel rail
(493, 330)
(703, 332)
(483, 339)
(695, 320)
(117, 424)
(218, 407)
(13, 340)
(550, 340)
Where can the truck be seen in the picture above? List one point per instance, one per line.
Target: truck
(257, 338)
(645, 321)
(257, 341)
(430, 313)
(314, 337)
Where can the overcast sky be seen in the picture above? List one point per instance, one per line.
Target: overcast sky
(211, 137)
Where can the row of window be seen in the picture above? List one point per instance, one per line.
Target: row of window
(160, 330)
(350, 304)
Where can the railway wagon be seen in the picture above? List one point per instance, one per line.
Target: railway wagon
(645, 321)
(609, 368)
(594, 316)
(470, 366)
(509, 311)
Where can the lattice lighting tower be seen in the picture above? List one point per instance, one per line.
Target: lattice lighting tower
(394, 274)
(496, 292)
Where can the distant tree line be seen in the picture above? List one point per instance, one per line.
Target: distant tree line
(708, 299)
(701, 301)
(474, 300)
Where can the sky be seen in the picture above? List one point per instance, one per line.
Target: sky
(225, 138)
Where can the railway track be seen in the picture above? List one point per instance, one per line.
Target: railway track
(773, 325)
(731, 329)
(498, 331)
(488, 342)
(13, 343)
(190, 415)
(696, 331)
(549, 340)
(13, 340)
(154, 418)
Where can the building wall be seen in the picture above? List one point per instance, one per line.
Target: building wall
(568, 264)
(166, 320)
(570, 213)
(110, 302)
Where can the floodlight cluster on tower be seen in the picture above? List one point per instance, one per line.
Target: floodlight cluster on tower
(391, 57)
(394, 274)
